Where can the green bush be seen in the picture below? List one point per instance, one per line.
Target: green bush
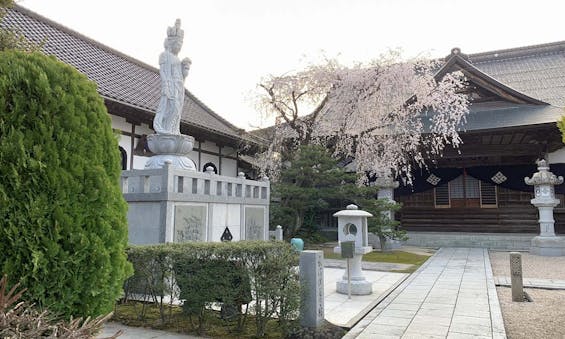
(256, 273)
(63, 228)
(152, 280)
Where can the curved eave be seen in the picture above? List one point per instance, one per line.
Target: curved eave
(456, 62)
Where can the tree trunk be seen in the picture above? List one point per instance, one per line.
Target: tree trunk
(384, 247)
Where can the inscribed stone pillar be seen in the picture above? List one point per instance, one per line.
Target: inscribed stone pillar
(516, 276)
(312, 284)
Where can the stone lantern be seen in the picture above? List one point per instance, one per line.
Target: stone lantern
(352, 226)
(547, 243)
(386, 185)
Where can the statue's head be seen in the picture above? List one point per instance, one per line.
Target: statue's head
(175, 35)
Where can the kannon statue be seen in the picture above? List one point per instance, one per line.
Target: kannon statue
(172, 72)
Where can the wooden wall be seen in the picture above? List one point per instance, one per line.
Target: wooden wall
(514, 214)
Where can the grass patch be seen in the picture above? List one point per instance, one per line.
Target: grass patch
(395, 257)
(128, 314)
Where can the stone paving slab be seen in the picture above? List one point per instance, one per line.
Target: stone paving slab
(344, 312)
(451, 296)
(549, 284)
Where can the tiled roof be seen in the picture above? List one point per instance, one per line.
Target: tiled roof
(537, 71)
(484, 116)
(119, 77)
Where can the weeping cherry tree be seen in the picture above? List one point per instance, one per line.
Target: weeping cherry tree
(390, 115)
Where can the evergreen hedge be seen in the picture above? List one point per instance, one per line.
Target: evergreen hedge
(257, 273)
(63, 227)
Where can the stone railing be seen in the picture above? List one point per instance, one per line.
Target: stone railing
(177, 184)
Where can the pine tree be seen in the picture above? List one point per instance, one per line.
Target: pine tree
(63, 227)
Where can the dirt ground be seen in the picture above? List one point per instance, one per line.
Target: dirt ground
(542, 318)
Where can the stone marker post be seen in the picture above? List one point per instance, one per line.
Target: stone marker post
(312, 285)
(516, 276)
(279, 233)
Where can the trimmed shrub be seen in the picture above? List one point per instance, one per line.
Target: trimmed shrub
(63, 228)
(234, 274)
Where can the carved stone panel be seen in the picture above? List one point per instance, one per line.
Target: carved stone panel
(254, 223)
(190, 223)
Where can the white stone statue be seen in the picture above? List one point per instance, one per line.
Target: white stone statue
(168, 144)
(172, 72)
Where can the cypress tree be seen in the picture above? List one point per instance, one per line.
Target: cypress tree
(63, 227)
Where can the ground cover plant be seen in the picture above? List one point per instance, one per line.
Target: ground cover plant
(395, 256)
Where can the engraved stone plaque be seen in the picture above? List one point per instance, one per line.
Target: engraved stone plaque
(190, 223)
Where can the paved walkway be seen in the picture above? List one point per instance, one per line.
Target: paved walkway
(451, 296)
(548, 284)
(129, 332)
(344, 312)
(369, 266)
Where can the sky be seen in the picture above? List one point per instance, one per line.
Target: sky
(234, 43)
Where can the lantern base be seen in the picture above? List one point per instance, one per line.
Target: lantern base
(548, 246)
(358, 287)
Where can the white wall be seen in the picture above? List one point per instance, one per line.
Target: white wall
(229, 166)
(557, 156)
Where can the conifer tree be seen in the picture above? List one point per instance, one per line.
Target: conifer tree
(63, 228)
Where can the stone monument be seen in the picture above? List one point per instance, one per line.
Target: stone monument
(168, 144)
(516, 276)
(312, 288)
(352, 226)
(547, 243)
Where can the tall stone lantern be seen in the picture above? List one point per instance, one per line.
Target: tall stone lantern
(547, 243)
(386, 185)
(352, 226)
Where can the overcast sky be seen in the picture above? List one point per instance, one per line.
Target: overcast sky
(233, 43)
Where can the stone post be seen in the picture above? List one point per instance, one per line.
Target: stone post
(312, 285)
(547, 243)
(279, 233)
(352, 226)
(386, 191)
(516, 276)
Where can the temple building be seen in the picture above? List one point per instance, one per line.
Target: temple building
(472, 195)
(131, 92)
(477, 194)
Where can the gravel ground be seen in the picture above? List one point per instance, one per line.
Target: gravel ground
(542, 318)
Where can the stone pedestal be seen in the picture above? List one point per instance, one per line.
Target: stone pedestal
(359, 284)
(547, 243)
(312, 284)
(173, 148)
(548, 246)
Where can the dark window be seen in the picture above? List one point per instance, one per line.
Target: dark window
(465, 191)
(210, 164)
(124, 158)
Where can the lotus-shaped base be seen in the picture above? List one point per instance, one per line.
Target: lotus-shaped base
(170, 143)
(170, 147)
